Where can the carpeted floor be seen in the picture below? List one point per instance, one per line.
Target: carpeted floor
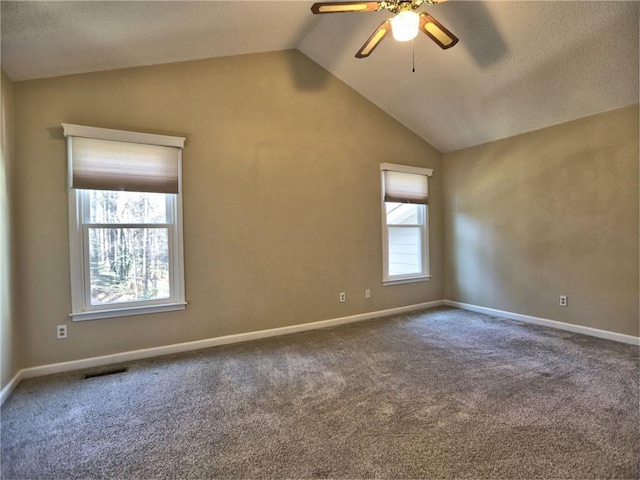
(441, 393)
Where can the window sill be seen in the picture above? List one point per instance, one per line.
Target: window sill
(401, 281)
(127, 311)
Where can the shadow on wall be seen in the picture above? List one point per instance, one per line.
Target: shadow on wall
(303, 78)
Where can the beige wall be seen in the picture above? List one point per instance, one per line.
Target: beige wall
(548, 213)
(281, 207)
(8, 324)
(281, 198)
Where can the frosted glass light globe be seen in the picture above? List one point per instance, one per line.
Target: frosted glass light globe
(404, 26)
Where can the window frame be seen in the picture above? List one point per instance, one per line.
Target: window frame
(79, 225)
(424, 230)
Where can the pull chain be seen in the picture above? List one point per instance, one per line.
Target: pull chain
(413, 56)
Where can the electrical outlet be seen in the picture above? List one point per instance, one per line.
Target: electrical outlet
(61, 332)
(563, 300)
(367, 293)
(343, 297)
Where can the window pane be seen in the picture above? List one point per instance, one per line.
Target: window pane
(128, 264)
(127, 207)
(405, 250)
(403, 213)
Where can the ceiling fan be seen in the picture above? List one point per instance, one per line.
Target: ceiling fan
(404, 26)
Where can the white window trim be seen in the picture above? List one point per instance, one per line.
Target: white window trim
(72, 130)
(80, 283)
(411, 278)
(80, 291)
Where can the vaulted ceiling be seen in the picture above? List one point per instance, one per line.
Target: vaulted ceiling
(519, 65)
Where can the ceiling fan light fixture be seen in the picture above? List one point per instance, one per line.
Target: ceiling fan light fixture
(404, 26)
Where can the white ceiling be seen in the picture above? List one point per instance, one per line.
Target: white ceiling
(519, 65)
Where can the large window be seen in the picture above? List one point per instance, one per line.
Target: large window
(405, 223)
(125, 222)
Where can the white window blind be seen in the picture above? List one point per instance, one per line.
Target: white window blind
(405, 234)
(404, 187)
(104, 159)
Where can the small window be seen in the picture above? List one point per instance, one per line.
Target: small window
(405, 223)
(125, 222)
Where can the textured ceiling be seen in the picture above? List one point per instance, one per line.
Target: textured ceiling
(519, 66)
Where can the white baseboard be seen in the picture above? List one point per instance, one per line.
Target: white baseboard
(10, 387)
(594, 332)
(198, 345)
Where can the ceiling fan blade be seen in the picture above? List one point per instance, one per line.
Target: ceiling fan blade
(339, 7)
(374, 39)
(437, 32)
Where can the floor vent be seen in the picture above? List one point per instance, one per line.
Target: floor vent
(104, 373)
